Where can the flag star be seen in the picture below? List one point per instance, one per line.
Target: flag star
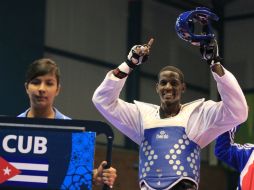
(7, 171)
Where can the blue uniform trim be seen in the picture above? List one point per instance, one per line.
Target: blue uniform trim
(235, 155)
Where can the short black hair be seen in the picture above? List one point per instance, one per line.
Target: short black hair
(174, 69)
(42, 67)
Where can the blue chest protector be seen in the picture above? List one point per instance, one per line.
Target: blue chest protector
(167, 156)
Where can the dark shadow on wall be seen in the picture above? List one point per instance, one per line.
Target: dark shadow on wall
(21, 41)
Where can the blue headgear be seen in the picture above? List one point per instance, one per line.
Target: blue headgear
(185, 25)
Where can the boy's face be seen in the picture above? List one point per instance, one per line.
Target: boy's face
(42, 91)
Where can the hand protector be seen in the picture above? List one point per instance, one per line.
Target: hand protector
(138, 55)
(210, 52)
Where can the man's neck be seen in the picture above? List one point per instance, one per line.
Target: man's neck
(167, 111)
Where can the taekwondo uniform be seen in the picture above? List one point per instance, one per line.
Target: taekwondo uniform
(170, 147)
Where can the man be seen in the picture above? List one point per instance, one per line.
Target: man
(171, 135)
(240, 157)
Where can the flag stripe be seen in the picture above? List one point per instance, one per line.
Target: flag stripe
(29, 178)
(34, 173)
(30, 166)
(27, 160)
(24, 184)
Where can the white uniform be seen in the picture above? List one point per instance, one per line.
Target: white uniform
(205, 121)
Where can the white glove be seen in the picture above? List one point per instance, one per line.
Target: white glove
(139, 54)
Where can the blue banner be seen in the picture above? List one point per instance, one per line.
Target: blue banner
(47, 159)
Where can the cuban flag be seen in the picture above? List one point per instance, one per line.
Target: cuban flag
(247, 174)
(21, 172)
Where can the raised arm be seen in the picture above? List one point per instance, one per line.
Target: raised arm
(123, 115)
(219, 117)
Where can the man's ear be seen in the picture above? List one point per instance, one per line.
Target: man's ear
(156, 88)
(184, 87)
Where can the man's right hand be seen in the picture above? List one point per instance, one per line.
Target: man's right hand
(139, 54)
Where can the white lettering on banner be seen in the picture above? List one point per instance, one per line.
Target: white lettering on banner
(21, 144)
(39, 144)
(5, 143)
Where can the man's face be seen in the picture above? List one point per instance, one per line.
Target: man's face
(42, 91)
(170, 88)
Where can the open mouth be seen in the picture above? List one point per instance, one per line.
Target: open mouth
(167, 95)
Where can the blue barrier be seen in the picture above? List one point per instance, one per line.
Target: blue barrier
(49, 154)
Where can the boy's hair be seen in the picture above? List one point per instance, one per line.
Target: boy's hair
(42, 67)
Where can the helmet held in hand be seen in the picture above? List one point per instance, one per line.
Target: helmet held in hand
(188, 23)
